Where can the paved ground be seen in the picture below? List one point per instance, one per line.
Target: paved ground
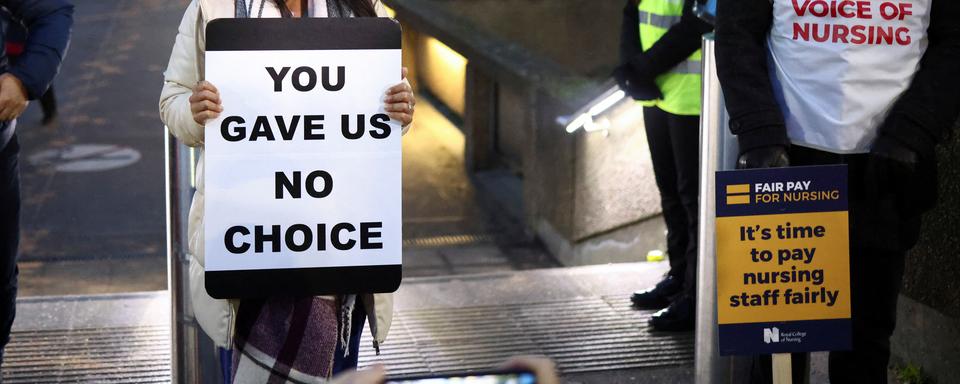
(99, 231)
(112, 338)
(580, 317)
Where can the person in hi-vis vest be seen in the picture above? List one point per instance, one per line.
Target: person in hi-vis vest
(660, 67)
(873, 85)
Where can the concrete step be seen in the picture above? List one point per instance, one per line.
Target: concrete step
(580, 317)
(90, 338)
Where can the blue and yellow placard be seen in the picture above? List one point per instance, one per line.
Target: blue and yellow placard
(783, 260)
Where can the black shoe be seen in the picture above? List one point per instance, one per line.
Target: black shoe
(48, 118)
(658, 296)
(678, 317)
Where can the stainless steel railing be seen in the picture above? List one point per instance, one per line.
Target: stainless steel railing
(188, 364)
(718, 151)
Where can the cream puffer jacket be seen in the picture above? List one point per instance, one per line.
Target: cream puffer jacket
(184, 70)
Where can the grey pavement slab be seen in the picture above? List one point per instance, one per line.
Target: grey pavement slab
(101, 230)
(507, 287)
(90, 339)
(73, 312)
(107, 93)
(92, 276)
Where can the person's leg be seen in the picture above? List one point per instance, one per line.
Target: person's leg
(879, 236)
(48, 103)
(875, 280)
(344, 363)
(684, 142)
(685, 139)
(657, 127)
(9, 237)
(358, 320)
(226, 364)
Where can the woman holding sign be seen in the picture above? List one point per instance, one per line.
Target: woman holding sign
(300, 339)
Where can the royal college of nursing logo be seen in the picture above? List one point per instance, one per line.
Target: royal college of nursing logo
(771, 335)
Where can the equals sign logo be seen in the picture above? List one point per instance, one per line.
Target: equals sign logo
(738, 194)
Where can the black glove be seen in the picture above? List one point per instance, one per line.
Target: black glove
(638, 87)
(894, 154)
(772, 156)
(895, 171)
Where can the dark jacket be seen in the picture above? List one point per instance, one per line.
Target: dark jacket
(681, 41)
(919, 119)
(48, 23)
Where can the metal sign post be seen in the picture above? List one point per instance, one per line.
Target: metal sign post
(718, 151)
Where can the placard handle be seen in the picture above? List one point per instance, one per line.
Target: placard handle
(782, 369)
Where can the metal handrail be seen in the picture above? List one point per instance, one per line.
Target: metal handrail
(718, 151)
(185, 336)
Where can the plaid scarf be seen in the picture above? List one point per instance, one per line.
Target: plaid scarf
(285, 340)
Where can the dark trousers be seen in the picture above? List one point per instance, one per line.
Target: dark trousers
(880, 235)
(48, 103)
(674, 142)
(9, 237)
(343, 363)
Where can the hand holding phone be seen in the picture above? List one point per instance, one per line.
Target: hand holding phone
(518, 370)
(505, 376)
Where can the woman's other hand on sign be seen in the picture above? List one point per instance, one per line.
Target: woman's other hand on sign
(205, 102)
(400, 102)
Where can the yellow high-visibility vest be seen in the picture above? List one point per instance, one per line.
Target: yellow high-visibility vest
(681, 85)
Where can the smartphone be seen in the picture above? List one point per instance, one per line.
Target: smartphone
(485, 377)
(706, 10)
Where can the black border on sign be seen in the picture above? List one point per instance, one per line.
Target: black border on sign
(260, 283)
(313, 33)
(308, 34)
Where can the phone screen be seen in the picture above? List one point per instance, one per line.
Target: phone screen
(473, 378)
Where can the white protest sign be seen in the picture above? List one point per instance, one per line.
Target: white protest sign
(303, 167)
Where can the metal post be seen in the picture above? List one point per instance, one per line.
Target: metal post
(185, 356)
(718, 151)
